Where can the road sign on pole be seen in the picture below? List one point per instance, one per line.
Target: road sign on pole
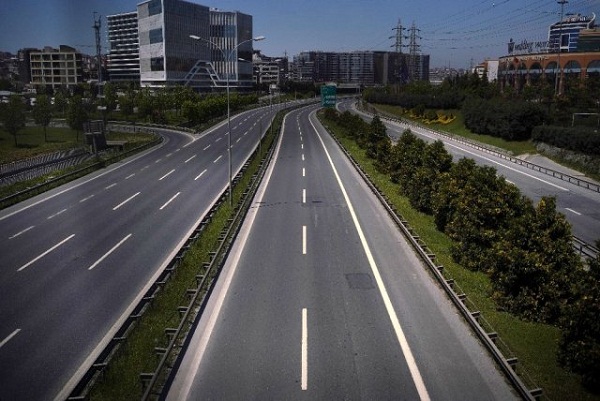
(328, 95)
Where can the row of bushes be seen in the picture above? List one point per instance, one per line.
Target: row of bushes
(442, 100)
(508, 119)
(525, 249)
(201, 111)
(578, 139)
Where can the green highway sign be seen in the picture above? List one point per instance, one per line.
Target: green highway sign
(328, 95)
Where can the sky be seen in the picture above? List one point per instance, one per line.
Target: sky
(456, 33)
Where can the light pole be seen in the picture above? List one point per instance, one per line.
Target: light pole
(558, 78)
(228, 60)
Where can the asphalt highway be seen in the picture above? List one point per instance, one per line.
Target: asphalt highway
(75, 260)
(580, 205)
(322, 298)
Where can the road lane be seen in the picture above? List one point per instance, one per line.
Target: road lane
(256, 342)
(76, 259)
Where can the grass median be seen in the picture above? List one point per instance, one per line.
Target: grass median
(534, 344)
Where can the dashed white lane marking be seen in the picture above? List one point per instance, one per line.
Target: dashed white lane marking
(129, 176)
(21, 232)
(304, 345)
(191, 158)
(114, 184)
(125, 201)
(169, 201)
(218, 158)
(200, 175)
(86, 198)
(206, 148)
(10, 336)
(109, 252)
(218, 139)
(573, 211)
(166, 175)
(303, 172)
(302, 156)
(56, 214)
(45, 253)
(304, 196)
(304, 240)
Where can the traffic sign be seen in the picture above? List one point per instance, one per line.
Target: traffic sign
(328, 95)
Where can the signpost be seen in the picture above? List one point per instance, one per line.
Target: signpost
(328, 95)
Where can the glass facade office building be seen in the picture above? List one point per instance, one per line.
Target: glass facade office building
(168, 56)
(124, 55)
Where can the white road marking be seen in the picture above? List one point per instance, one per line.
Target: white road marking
(129, 176)
(573, 211)
(302, 156)
(304, 379)
(191, 158)
(217, 159)
(302, 146)
(166, 175)
(237, 140)
(169, 201)
(304, 240)
(169, 155)
(86, 198)
(408, 355)
(10, 336)
(304, 196)
(109, 252)
(158, 161)
(21, 232)
(209, 145)
(56, 214)
(218, 139)
(200, 175)
(45, 253)
(114, 184)
(125, 201)
(303, 172)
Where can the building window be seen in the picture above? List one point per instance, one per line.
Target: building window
(154, 7)
(156, 35)
(157, 64)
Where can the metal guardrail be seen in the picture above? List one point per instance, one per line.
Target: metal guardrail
(474, 318)
(584, 249)
(532, 166)
(88, 169)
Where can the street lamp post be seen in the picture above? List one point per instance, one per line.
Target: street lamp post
(559, 76)
(228, 60)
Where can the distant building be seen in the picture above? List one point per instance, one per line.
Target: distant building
(365, 68)
(488, 70)
(572, 51)
(124, 50)
(269, 70)
(56, 68)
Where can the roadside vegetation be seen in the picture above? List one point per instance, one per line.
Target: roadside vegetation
(530, 121)
(513, 259)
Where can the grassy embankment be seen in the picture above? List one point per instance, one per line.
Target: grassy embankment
(534, 344)
(31, 143)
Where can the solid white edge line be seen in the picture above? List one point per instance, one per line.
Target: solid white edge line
(109, 252)
(304, 376)
(45, 253)
(183, 388)
(408, 355)
(169, 201)
(10, 336)
(125, 201)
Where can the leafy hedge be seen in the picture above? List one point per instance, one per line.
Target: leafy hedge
(583, 140)
(508, 119)
(525, 249)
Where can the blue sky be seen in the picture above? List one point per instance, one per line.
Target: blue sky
(452, 32)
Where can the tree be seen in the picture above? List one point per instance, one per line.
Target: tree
(61, 101)
(14, 116)
(42, 113)
(579, 347)
(76, 115)
(533, 264)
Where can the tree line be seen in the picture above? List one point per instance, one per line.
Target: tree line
(525, 248)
